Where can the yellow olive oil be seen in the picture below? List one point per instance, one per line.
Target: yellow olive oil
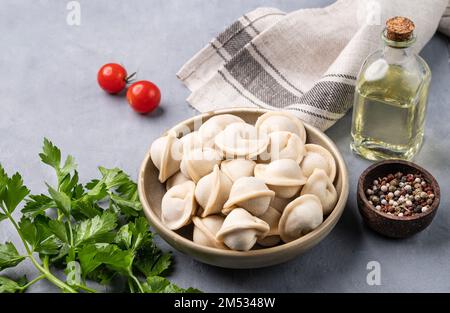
(389, 115)
(391, 98)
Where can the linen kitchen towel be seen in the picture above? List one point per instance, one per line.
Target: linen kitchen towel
(305, 62)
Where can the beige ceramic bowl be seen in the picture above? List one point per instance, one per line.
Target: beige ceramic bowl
(151, 192)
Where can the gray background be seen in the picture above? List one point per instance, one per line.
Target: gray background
(48, 88)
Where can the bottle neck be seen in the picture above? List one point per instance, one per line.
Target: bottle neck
(394, 55)
(397, 52)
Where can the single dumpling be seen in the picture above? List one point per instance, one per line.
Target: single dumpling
(251, 194)
(194, 141)
(300, 217)
(178, 205)
(318, 157)
(240, 230)
(212, 191)
(166, 153)
(205, 230)
(284, 176)
(237, 168)
(284, 145)
(280, 203)
(272, 218)
(176, 179)
(213, 126)
(281, 121)
(199, 162)
(320, 185)
(241, 140)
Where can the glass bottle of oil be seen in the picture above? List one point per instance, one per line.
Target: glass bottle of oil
(391, 97)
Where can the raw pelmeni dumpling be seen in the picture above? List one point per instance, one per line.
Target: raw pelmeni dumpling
(240, 230)
(194, 141)
(280, 203)
(284, 176)
(300, 217)
(272, 218)
(251, 194)
(215, 125)
(284, 145)
(237, 168)
(178, 205)
(212, 191)
(166, 153)
(241, 140)
(176, 179)
(320, 185)
(205, 230)
(318, 157)
(281, 121)
(199, 162)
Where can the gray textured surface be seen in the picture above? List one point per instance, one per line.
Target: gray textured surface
(48, 88)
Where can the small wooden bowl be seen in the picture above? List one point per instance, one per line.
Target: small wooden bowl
(151, 192)
(388, 224)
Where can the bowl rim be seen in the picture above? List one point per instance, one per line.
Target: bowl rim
(427, 175)
(333, 217)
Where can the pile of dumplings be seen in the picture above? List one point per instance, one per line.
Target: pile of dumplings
(243, 185)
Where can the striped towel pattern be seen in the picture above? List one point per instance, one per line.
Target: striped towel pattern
(305, 62)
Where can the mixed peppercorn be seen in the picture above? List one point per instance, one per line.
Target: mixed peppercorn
(401, 195)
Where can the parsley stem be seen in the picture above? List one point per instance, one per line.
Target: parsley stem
(49, 276)
(138, 283)
(25, 244)
(45, 271)
(86, 288)
(45, 263)
(70, 232)
(130, 285)
(24, 287)
(60, 215)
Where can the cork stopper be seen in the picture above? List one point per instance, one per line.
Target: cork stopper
(399, 28)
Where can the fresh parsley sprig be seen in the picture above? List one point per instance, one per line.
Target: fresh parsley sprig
(94, 231)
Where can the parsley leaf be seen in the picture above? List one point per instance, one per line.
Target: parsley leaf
(39, 235)
(14, 192)
(3, 181)
(151, 261)
(68, 183)
(124, 237)
(63, 252)
(59, 230)
(29, 231)
(8, 285)
(102, 274)
(134, 235)
(122, 191)
(9, 257)
(51, 154)
(62, 200)
(96, 229)
(93, 255)
(69, 166)
(83, 208)
(114, 177)
(96, 193)
(37, 204)
(157, 284)
(129, 208)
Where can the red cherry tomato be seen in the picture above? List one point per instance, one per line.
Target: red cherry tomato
(143, 96)
(112, 78)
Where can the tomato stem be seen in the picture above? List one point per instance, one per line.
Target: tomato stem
(129, 78)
